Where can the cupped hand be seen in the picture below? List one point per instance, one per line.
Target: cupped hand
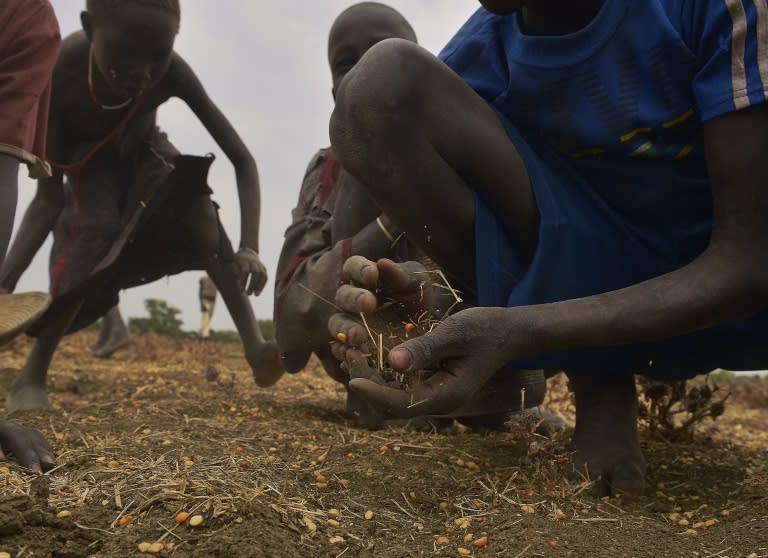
(28, 445)
(250, 267)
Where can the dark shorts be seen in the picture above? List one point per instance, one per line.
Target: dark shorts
(593, 240)
(151, 242)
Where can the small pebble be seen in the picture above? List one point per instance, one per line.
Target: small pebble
(196, 521)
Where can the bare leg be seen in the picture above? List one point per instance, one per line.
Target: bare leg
(202, 227)
(113, 335)
(205, 319)
(422, 141)
(605, 438)
(9, 176)
(28, 390)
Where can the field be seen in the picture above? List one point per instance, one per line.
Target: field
(280, 472)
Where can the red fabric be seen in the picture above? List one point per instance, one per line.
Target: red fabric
(75, 170)
(29, 46)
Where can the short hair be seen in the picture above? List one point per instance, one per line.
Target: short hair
(99, 7)
(409, 31)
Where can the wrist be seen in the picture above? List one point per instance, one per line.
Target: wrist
(246, 248)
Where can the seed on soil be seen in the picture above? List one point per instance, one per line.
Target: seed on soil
(336, 540)
(683, 523)
(181, 517)
(560, 515)
(482, 542)
(344, 482)
(309, 524)
(334, 512)
(552, 544)
(4, 555)
(64, 514)
(460, 462)
(442, 540)
(525, 508)
(320, 458)
(443, 506)
(196, 521)
(725, 513)
(144, 547)
(341, 337)
(409, 327)
(461, 551)
(333, 523)
(368, 515)
(155, 548)
(113, 464)
(690, 533)
(125, 520)
(468, 538)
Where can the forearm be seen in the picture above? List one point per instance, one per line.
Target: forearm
(38, 221)
(718, 287)
(248, 190)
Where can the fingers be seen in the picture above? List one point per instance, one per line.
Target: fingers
(401, 277)
(362, 271)
(353, 332)
(258, 282)
(355, 300)
(438, 395)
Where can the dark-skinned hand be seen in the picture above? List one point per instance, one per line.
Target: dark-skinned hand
(28, 445)
(249, 266)
(456, 358)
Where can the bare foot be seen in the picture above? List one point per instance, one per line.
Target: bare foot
(25, 398)
(605, 438)
(265, 364)
(19, 311)
(111, 346)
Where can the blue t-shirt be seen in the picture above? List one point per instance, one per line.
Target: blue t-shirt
(609, 123)
(637, 81)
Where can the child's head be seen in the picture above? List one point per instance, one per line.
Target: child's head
(357, 29)
(132, 40)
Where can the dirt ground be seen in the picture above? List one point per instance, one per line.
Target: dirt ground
(280, 472)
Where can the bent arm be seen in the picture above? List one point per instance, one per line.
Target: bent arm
(727, 282)
(192, 92)
(38, 221)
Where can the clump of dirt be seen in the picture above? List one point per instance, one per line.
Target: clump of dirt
(281, 472)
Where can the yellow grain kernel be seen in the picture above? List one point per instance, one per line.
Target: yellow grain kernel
(125, 520)
(525, 508)
(341, 337)
(64, 514)
(144, 547)
(156, 548)
(482, 542)
(461, 551)
(468, 538)
(368, 515)
(196, 521)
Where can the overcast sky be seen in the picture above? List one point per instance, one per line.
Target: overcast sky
(264, 64)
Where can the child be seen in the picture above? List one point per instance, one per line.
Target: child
(335, 218)
(597, 168)
(134, 210)
(29, 44)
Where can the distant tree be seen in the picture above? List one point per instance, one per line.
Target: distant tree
(163, 320)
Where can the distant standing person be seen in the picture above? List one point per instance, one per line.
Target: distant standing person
(208, 294)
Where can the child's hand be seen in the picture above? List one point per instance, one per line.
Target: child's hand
(248, 264)
(29, 447)
(460, 354)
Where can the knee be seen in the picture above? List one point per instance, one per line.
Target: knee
(379, 92)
